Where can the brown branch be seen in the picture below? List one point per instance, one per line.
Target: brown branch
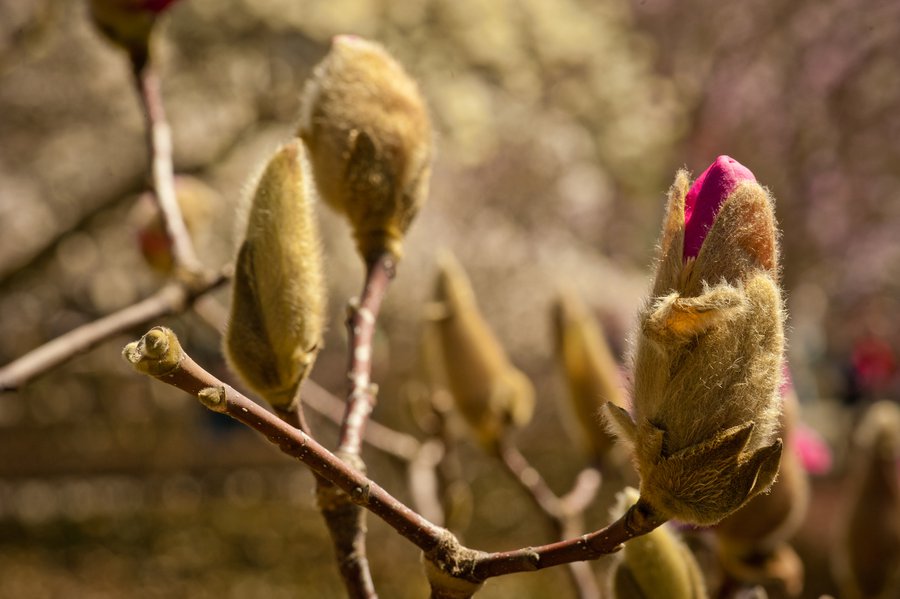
(170, 299)
(159, 144)
(450, 565)
(361, 328)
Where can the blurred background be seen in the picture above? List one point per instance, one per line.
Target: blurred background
(560, 125)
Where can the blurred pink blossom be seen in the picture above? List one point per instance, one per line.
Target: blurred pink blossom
(814, 453)
(706, 196)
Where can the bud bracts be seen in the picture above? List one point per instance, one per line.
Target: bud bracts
(490, 393)
(369, 138)
(708, 358)
(278, 301)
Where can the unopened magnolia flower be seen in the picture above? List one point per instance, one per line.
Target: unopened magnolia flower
(490, 393)
(866, 556)
(707, 363)
(656, 565)
(278, 299)
(591, 372)
(128, 23)
(369, 138)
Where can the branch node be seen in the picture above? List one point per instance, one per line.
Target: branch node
(213, 398)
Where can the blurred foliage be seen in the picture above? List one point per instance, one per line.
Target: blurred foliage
(560, 124)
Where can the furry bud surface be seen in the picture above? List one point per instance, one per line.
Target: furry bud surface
(708, 357)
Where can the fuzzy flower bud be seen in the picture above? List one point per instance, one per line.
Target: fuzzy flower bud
(867, 553)
(278, 299)
(707, 365)
(656, 565)
(369, 138)
(591, 372)
(128, 23)
(490, 393)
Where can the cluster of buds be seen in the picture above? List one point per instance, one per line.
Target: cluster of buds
(707, 367)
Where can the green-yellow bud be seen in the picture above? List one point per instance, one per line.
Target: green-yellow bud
(278, 300)
(656, 565)
(369, 138)
(708, 359)
(128, 23)
(490, 393)
(591, 372)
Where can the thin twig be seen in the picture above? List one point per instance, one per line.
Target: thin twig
(159, 144)
(170, 299)
(442, 550)
(361, 328)
(564, 514)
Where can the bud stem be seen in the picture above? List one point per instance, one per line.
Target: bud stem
(159, 145)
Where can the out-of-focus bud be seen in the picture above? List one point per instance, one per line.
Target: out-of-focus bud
(490, 393)
(866, 556)
(591, 372)
(197, 201)
(656, 565)
(128, 23)
(278, 300)
(753, 540)
(707, 364)
(369, 138)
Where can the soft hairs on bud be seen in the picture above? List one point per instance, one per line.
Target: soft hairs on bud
(708, 358)
(489, 391)
(369, 139)
(278, 301)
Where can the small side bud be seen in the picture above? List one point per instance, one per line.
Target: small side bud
(369, 138)
(278, 298)
(708, 358)
(490, 393)
(654, 565)
(157, 353)
(590, 370)
(213, 398)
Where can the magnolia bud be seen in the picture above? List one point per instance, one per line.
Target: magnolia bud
(128, 23)
(654, 565)
(490, 393)
(867, 553)
(591, 371)
(278, 300)
(369, 138)
(707, 364)
(197, 201)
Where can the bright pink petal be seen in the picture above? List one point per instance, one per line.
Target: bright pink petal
(705, 198)
(157, 5)
(814, 453)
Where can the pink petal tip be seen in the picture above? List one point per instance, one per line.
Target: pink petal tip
(705, 198)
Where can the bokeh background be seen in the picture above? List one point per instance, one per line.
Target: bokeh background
(560, 125)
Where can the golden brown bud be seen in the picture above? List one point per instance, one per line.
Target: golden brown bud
(369, 138)
(489, 391)
(157, 353)
(867, 553)
(654, 565)
(128, 23)
(278, 300)
(707, 364)
(591, 372)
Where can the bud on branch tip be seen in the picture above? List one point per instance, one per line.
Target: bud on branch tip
(157, 353)
(708, 357)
